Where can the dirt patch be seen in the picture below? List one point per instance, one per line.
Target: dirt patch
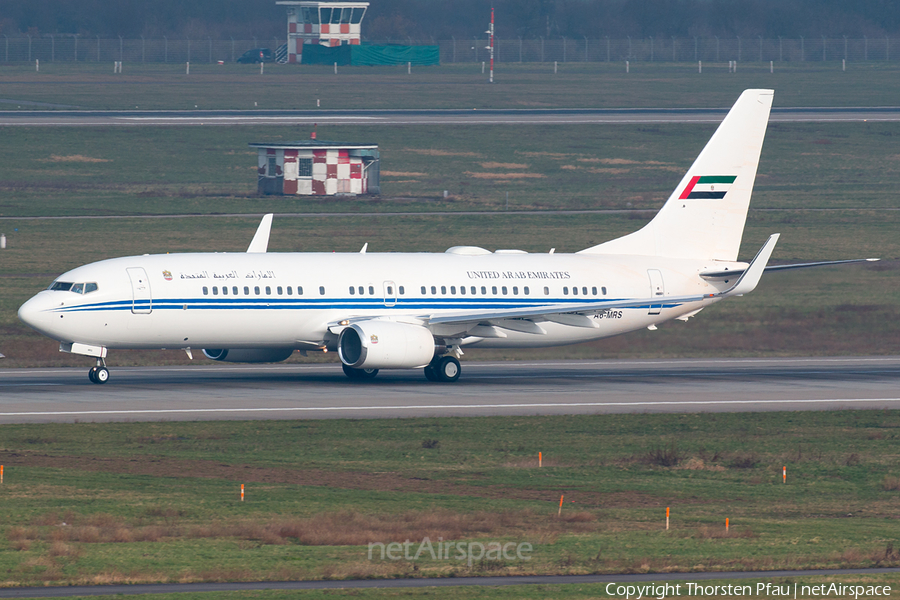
(608, 170)
(396, 482)
(505, 175)
(433, 152)
(544, 154)
(76, 158)
(610, 161)
(402, 174)
(498, 165)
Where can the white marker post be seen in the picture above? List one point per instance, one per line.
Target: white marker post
(262, 68)
(490, 47)
(626, 66)
(699, 66)
(771, 66)
(187, 68)
(37, 65)
(335, 68)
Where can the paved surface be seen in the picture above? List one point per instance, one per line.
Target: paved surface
(642, 578)
(514, 388)
(432, 117)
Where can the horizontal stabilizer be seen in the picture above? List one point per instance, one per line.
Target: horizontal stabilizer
(735, 272)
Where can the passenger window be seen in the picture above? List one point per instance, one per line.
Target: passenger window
(256, 290)
(390, 291)
(279, 290)
(234, 290)
(423, 290)
(78, 288)
(565, 291)
(321, 290)
(402, 291)
(299, 290)
(526, 290)
(205, 291)
(546, 291)
(462, 290)
(362, 290)
(603, 289)
(594, 290)
(494, 290)
(268, 291)
(453, 290)
(484, 290)
(472, 289)
(503, 290)
(515, 291)
(246, 291)
(224, 290)
(584, 291)
(574, 291)
(352, 290)
(434, 290)
(371, 290)
(290, 291)
(215, 291)
(444, 290)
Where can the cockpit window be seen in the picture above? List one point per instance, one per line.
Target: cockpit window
(78, 288)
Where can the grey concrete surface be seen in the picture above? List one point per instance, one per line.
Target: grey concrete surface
(306, 391)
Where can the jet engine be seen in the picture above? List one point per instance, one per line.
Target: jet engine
(377, 344)
(252, 355)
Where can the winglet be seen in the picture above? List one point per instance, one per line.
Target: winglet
(260, 243)
(748, 281)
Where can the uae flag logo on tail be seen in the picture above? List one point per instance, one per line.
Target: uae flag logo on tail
(707, 187)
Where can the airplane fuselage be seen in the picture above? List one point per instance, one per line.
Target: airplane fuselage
(281, 300)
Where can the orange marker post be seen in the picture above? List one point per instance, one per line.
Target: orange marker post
(540, 459)
(726, 524)
(242, 492)
(784, 474)
(667, 518)
(559, 514)
(1, 474)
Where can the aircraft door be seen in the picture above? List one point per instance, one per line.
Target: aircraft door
(142, 302)
(390, 293)
(657, 288)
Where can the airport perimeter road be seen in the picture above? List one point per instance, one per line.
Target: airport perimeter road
(303, 391)
(432, 117)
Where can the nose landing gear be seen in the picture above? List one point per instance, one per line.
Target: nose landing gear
(99, 373)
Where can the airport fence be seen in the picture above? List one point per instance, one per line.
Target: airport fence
(71, 48)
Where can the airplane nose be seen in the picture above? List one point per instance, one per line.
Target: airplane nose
(34, 314)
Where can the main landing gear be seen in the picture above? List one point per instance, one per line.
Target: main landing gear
(359, 373)
(443, 368)
(99, 373)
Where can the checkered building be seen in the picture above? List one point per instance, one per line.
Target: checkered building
(317, 168)
(323, 23)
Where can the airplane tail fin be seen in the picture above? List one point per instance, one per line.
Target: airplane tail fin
(704, 217)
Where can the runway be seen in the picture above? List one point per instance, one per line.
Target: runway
(321, 391)
(472, 116)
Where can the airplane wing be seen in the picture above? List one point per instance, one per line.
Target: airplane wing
(569, 313)
(734, 272)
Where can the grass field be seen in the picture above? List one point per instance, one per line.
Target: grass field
(160, 501)
(846, 169)
(530, 85)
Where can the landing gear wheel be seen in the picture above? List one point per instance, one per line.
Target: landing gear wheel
(448, 369)
(98, 374)
(431, 373)
(359, 373)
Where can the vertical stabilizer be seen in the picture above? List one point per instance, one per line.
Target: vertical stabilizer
(704, 217)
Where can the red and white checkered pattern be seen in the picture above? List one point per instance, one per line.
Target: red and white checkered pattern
(333, 171)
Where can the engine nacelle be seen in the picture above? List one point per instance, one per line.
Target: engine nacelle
(252, 355)
(379, 344)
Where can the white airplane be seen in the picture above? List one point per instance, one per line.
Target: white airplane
(403, 310)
